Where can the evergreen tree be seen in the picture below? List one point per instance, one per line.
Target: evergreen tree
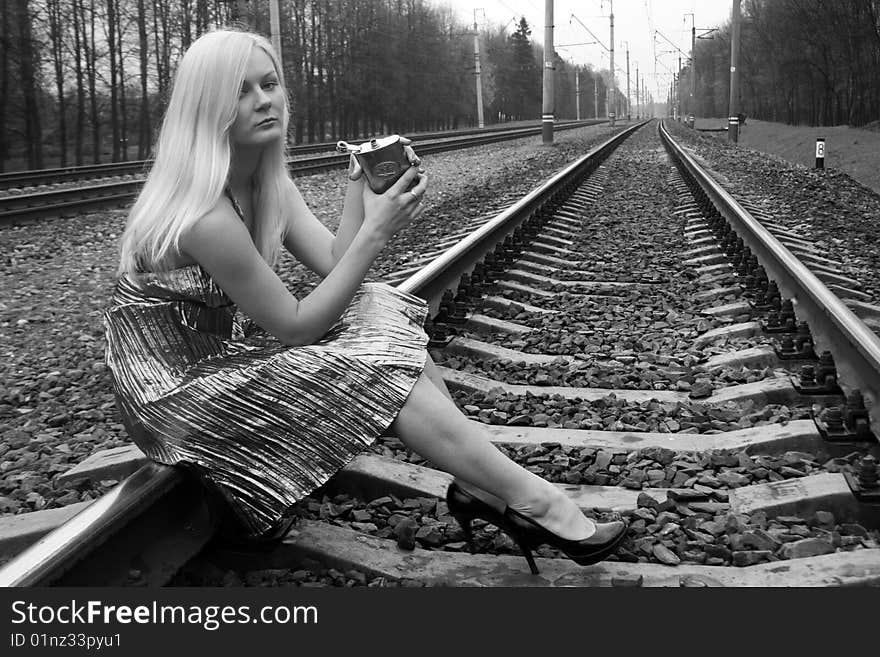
(525, 73)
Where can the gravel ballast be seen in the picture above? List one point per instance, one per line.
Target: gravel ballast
(824, 205)
(60, 409)
(56, 401)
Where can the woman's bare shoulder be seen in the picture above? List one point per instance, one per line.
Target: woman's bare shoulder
(213, 228)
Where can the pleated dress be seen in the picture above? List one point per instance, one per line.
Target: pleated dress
(262, 423)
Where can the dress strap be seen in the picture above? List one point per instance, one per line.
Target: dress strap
(235, 204)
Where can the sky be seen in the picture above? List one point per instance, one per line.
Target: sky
(635, 21)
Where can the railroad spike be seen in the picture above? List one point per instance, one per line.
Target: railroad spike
(865, 484)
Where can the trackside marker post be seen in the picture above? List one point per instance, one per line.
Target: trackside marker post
(820, 152)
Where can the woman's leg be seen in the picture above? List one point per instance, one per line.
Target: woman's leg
(436, 378)
(431, 425)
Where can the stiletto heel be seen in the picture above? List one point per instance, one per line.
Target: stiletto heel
(465, 522)
(525, 549)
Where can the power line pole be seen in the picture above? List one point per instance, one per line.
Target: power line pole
(693, 69)
(639, 99)
(628, 110)
(480, 123)
(547, 112)
(595, 99)
(637, 93)
(612, 104)
(577, 93)
(733, 120)
(678, 89)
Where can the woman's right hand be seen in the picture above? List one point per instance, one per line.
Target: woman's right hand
(386, 214)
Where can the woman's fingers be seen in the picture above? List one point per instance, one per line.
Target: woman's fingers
(404, 182)
(421, 187)
(354, 168)
(414, 159)
(414, 195)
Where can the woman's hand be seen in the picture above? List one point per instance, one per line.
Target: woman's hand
(414, 159)
(386, 214)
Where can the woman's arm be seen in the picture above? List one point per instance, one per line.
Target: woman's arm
(306, 238)
(221, 244)
(352, 211)
(309, 241)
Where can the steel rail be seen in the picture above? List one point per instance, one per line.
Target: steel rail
(835, 328)
(54, 202)
(445, 271)
(157, 498)
(132, 167)
(97, 545)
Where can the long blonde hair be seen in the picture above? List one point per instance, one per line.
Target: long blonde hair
(193, 155)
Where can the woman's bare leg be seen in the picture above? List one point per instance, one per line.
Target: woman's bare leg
(432, 426)
(436, 378)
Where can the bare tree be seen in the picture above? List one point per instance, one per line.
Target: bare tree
(28, 60)
(78, 39)
(56, 42)
(144, 120)
(5, 56)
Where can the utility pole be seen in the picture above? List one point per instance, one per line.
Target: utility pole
(612, 114)
(480, 122)
(678, 97)
(275, 27)
(693, 69)
(577, 93)
(637, 92)
(595, 98)
(547, 112)
(628, 109)
(733, 120)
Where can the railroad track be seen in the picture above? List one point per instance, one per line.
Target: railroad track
(674, 384)
(137, 167)
(90, 196)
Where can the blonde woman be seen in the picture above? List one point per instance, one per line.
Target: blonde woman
(219, 368)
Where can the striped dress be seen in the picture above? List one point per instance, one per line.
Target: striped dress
(262, 423)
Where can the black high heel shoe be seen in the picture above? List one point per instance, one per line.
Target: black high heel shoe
(464, 507)
(528, 534)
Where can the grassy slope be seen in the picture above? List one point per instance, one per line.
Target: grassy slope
(854, 151)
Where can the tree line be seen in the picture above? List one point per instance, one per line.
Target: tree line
(812, 62)
(86, 81)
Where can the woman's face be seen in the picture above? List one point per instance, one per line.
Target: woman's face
(260, 104)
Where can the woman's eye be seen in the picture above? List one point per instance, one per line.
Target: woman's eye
(270, 85)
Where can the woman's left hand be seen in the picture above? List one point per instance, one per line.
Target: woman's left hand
(355, 171)
(414, 159)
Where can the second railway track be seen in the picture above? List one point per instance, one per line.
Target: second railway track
(617, 339)
(80, 193)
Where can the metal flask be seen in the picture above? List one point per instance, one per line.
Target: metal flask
(383, 160)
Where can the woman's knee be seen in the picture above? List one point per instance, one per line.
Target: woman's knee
(427, 405)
